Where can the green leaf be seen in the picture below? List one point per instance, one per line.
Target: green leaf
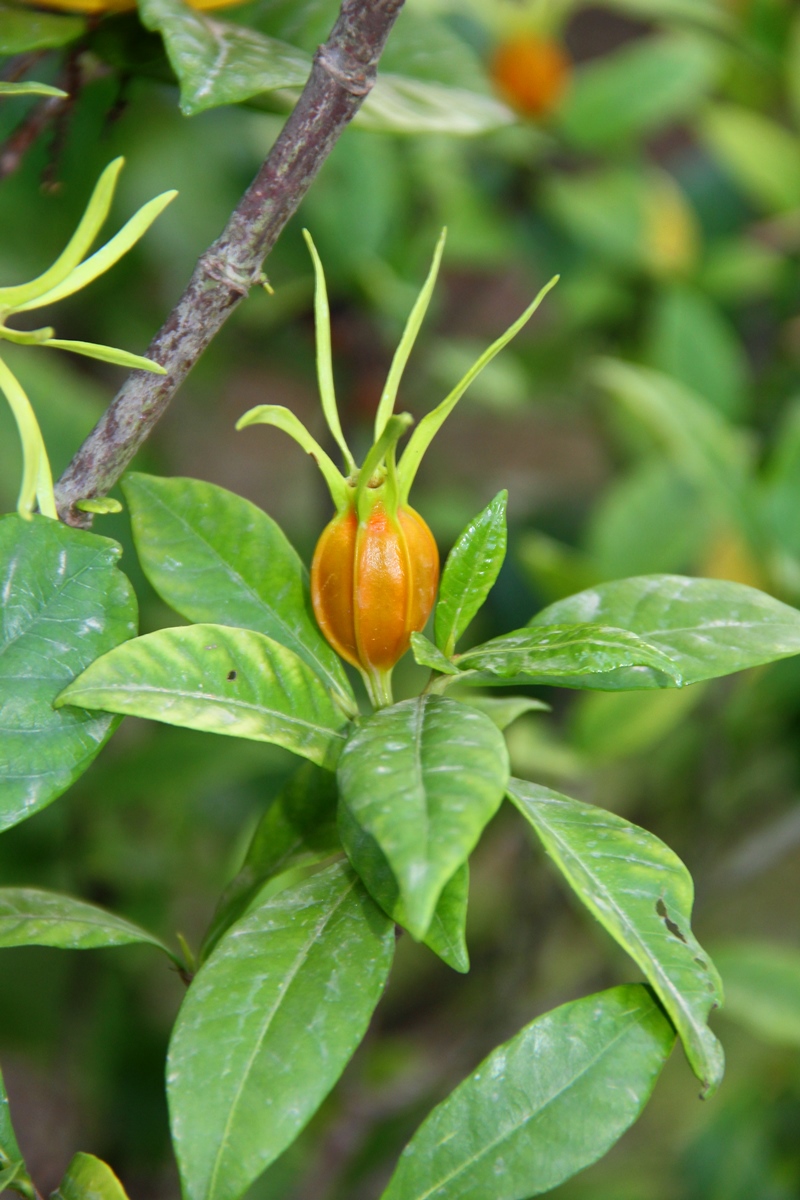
(762, 988)
(401, 104)
(214, 556)
(470, 572)
(269, 1024)
(542, 1106)
(23, 30)
(708, 627)
(426, 654)
(89, 1178)
(30, 88)
(220, 680)
(567, 655)
(109, 354)
(218, 62)
(64, 604)
(32, 917)
(298, 827)
(421, 779)
(641, 87)
(642, 894)
(12, 1166)
(446, 934)
(504, 710)
(762, 156)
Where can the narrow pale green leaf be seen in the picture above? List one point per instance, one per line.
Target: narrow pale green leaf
(402, 104)
(37, 478)
(219, 62)
(32, 917)
(762, 988)
(10, 1153)
(708, 627)
(470, 572)
(79, 244)
(23, 29)
(103, 259)
(282, 418)
(427, 655)
(504, 710)
(272, 1018)
(298, 827)
(403, 351)
(221, 680)
(642, 894)
(542, 1106)
(89, 1178)
(64, 604)
(29, 88)
(567, 655)
(322, 326)
(213, 556)
(109, 354)
(420, 779)
(432, 422)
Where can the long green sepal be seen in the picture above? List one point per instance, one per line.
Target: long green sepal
(109, 354)
(79, 244)
(104, 258)
(401, 356)
(37, 480)
(322, 321)
(283, 418)
(26, 337)
(394, 430)
(430, 424)
(30, 88)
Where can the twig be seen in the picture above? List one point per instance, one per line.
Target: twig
(342, 75)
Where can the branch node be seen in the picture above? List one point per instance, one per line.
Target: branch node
(223, 271)
(344, 70)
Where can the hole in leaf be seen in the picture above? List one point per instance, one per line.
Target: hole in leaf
(231, 674)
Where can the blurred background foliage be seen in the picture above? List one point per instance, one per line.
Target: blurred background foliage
(647, 421)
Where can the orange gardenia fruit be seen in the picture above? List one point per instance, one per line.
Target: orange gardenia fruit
(373, 584)
(95, 7)
(531, 73)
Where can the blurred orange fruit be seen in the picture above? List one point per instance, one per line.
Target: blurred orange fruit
(96, 7)
(531, 73)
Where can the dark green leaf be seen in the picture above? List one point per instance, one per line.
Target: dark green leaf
(89, 1178)
(220, 680)
(708, 627)
(426, 654)
(298, 827)
(642, 894)
(446, 934)
(644, 85)
(542, 1106)
(31, 917)
(420, 779)
(762, 988)
(268, 1025)
(24, 29)
(568, 655)
(64, 604)
(470, 572)
(218, 62)
(214, 556)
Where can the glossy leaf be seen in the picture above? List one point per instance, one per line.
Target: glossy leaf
(470, 572)
(447, 934)
(762, 988)
(427, 655)
(23, 30)
(504, 710)
(65, 603)
(220, 680)
(420, 779)
(214, 556)
(298, 827)
(89, 1178)
(708, 627)
(272, 1019)
(402, 104)
(567, 655)
(542, 1106)
(219, 62)
(32, 917)
(642, 894)
(11, 1161)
